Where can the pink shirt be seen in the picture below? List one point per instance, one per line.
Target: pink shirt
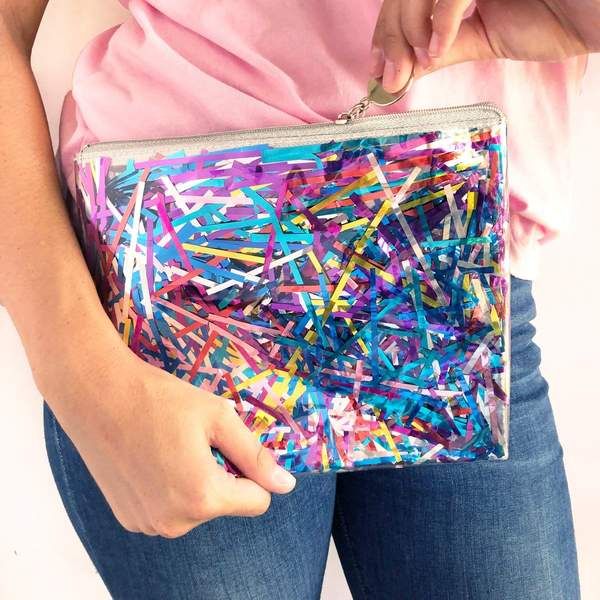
(186, 67)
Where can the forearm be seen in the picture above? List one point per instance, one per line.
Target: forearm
(44, 282)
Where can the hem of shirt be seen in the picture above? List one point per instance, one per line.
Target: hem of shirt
(526, 265)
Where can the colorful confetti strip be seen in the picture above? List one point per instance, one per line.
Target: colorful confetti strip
(349, 298)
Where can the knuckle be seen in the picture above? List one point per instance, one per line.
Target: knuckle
(223, 408)
(264, 459)
(416, 37)
(446, 14)
(129, 526)
(127, 523)
(207, 508)
(203, 504)
(444, 6)
(394, 46)
(415, 41)
(391, 38)
(416, 27)
(167, 528)
(224, 413)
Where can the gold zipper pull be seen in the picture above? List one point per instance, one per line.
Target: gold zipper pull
(358, 110)
(375, 95)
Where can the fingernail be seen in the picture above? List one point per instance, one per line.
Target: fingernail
(423, 57)
(375, 66)
(389, 76)
(284, 478)
(434, 44)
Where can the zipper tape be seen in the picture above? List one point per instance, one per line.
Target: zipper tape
(481, 114)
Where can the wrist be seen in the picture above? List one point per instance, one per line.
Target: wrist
(59, 317)
(90, 382)
(73, 357)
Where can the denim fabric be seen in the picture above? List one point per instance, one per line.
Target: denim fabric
(480, 531)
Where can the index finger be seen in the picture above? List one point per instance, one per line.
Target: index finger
(446, 18)
(236, 496)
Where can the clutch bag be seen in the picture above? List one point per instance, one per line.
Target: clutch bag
(344, 285)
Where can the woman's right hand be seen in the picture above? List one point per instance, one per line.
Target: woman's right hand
(439, 33)
(145, 436)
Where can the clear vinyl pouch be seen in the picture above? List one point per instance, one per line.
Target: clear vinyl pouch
(345, 285)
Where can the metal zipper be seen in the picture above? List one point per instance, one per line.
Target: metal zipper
(481, 114)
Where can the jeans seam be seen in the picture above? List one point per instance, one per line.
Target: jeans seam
(70, 494)
(355, 563)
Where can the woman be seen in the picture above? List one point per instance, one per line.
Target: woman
(129, 444)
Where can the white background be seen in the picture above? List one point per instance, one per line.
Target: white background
(41, 556)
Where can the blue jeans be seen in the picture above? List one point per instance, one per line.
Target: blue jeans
(479, 531)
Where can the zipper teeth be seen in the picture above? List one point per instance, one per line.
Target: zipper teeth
(411, 117)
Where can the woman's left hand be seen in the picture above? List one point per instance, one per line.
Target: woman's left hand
(433, 34)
